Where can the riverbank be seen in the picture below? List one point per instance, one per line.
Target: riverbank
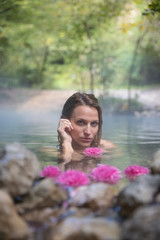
(23, 100)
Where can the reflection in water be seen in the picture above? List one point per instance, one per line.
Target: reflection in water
(136, 139)
(86, 164)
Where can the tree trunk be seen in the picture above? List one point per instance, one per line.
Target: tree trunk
(91, 62)
(132, 66)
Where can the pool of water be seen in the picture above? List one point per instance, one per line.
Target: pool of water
(136, 139)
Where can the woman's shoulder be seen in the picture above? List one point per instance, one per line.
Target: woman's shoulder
(106, 144)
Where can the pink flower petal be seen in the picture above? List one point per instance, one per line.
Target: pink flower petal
(73, 178)
(50, 171)
(106, 173)
(133, 171)
(94, 152)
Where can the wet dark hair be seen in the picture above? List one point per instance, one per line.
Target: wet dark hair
(83, 99)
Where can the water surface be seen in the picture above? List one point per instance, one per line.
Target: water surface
(136, 139)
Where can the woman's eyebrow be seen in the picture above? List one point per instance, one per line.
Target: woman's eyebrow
(82, 119)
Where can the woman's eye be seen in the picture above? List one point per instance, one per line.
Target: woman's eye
(94, 124)
(80, 122)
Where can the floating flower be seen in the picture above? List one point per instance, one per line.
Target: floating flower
(50, 171)
(94, 152)
(134, 171)
(73, 178)
(106, 173)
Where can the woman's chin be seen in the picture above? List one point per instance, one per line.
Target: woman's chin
(82, 145)
(86, 145)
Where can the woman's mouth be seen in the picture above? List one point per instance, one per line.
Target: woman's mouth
(86, 139)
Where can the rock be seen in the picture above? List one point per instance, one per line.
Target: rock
(42, 222)
(43, 216)
(12, 226)
(19, 167)
(155, 164)
(144, 224)
(138, 193)
(45, 194)
(94, 196)
(87, 229)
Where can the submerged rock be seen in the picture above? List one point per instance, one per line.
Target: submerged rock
(138, 193)
(12, 226)
(87, 229)
(144, 224)
(19, 167)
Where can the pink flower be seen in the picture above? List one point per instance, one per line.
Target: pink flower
(94, 152)
(50, 171)
(106, 173)
(73, 178)
(134, 171)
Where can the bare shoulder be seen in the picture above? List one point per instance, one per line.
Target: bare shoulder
(106, 144)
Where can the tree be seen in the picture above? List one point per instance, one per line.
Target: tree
(84, 44)
(153, 7)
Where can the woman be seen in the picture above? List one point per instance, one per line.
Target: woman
(80, 125)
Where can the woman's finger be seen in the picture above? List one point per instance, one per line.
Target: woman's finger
(65, 123)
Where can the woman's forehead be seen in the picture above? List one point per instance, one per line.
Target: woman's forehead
(85, 112)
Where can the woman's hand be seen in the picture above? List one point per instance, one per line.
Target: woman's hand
(64, 130)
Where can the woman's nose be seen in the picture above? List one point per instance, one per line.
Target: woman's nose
(87, 129)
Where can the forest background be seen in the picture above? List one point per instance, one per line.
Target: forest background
(68, 44)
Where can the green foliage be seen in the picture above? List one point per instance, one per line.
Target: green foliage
(77, 44)
(153, 7)
(149, 72)
(112, 105)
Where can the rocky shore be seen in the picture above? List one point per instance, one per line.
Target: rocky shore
(37, 208)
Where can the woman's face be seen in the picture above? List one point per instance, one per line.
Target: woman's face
(84, 120)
